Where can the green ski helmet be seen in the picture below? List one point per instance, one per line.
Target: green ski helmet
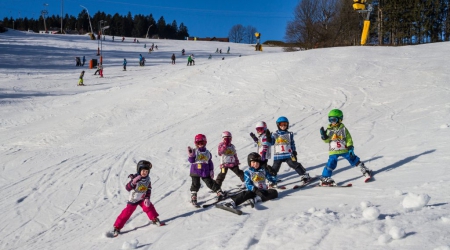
(336, 113)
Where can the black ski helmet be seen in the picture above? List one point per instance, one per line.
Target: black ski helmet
(143, 164)
(253, 157)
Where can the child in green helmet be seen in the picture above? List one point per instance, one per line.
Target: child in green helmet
(341, 144)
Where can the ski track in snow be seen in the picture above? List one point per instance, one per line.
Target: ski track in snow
(67, 151)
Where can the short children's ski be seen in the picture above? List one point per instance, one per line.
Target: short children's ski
(227, 194)
(229, 209)
(342, 186)
(367, 179)
(305, 183)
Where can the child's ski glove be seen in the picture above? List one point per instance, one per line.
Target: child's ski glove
(190, 151)
(323, 134)
(147, 202)
(351, 152)
(136, 179)
(254, 137)
(268, 136)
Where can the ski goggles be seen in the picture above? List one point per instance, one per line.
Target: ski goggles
(283, 124)
(260, 130)
(333, 119)
(200, 142)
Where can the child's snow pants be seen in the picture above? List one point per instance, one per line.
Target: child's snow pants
(128, 211)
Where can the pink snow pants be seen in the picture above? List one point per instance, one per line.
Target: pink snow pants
(128, 211)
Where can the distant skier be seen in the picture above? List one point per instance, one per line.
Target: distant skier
(98, 69)
(182, 52)
(341, 144)
(255, 182)
(140, 188)
(202, 167)
(101, 70)
(140, 60)
(83, 60)
(80, 82)
(228, 51)
(124, 64)
(173, 58)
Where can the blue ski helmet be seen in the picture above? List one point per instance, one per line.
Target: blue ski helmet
(282, 119)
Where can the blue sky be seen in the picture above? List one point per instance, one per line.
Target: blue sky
(202, 17)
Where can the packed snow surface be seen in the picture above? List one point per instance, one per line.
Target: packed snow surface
(66, 151)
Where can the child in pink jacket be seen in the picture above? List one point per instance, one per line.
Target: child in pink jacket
(228, 159)
(140, 190)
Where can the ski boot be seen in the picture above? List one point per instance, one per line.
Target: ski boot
(305, 178)
(116, 232)
(327, 182)
(230, 204)
(194, 199)
(367, 173)
(157, 222)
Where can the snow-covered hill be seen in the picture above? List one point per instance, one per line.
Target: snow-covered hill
(66, 151)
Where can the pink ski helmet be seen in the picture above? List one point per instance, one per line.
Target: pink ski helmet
(226, 134)
(200, 139)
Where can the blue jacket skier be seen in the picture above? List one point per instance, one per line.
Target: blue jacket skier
(255, 181)
(285, 151)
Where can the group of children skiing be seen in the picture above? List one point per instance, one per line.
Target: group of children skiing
(259, 180)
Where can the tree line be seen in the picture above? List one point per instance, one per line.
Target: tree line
(128, 25)
(330, 23)
(240, 34)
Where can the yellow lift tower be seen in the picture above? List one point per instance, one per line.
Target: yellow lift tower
(360, 7)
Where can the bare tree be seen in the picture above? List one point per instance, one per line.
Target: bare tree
(237, 33)
(250, 34)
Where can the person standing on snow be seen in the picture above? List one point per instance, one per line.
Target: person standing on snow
(124, 64)
(84, 60)
(100, 68)
(173, 58)
(341, 144)
(80, 82)
(284, 150)
(202, 167)
(228, 159)
(140, 60)
(264, 143)
(140, 188)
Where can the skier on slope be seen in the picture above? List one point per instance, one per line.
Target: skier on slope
(140, 188)
(255, 181)
(228, 159)
(285, 151)
(202, 167)
(81, 82)
(264, 145)
(341, 144)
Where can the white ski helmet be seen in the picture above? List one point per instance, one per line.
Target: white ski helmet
(260, 125)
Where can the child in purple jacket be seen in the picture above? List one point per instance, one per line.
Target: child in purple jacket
(202, 167)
